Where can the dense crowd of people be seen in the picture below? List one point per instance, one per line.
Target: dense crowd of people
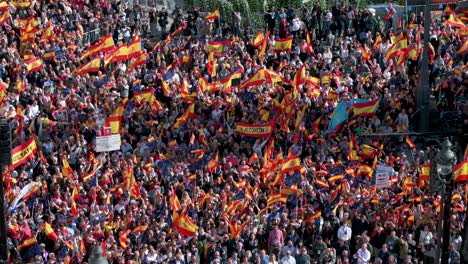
(235, 147)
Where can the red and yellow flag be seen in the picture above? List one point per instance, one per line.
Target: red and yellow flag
(258, 40)
(213, 15)
(366, 108)
(115, 119)
(5, 17)
(189, 113)
(213, 164)
(120, 54)
(91, 66)
(464, 48)
(283, 44)
(34, 65)
(134, 48)
(454, 21)
(461, 171)
(410, 142)
(67, 171)
(50, 233)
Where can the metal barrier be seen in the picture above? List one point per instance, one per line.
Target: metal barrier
(92, 36)
(417, 9)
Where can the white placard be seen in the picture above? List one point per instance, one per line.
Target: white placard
(382, 176)
(108, 143)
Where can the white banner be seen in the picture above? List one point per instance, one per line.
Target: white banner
(108, 143)
(382, 176)
(28, 189)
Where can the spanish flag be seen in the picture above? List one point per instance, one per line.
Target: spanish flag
(463, 48)
(213, 15)
(91, 66)
(109, 56)
(185, 60)
(431, 52)
(365, 54)
(48, 32)
(316, 215)
(49, 55)
(425, 172)
(134, 48)
(277, 198)
(20, 85)
(50, 233)
(377, 42)
(184, 224)
(27, 244)
(34, 65)
(27, 37)
(115, 118)
(20, 117)
(139, 229)
(321, 183)
(213, 164)
(410, 142)
(139, 60)
(461, 171)
(105, 44)
(310, 50)
(20, 4)
(253, 158)
(364, 169)
(262, 51)
(365, 109)
(5, 17)
(67, 171)
(293, 163)
(4, 5)
(454, 21)
(227, 81)
(123, 239)
(300, 76)
(120, 54)
(174, 202)
(258, 40)
(218, 46)
(283, 44)
(394, 50)
(260, 76)
(189, 113)
(211, 65)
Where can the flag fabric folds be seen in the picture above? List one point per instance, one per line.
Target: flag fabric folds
(365, 108)
(283, 44)
(114, 120)
(340, 114)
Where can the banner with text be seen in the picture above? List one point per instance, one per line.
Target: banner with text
(23, 152)
(249, 130)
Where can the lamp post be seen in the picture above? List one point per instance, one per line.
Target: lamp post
(423, 89)
(445, 162)
(96, 256)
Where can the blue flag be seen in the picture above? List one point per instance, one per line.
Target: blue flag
(340, 114)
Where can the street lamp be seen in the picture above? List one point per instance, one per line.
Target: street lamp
(445, 162)
(96, 256)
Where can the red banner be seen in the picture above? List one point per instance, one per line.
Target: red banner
(21, 153)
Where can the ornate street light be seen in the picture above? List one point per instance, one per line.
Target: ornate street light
(445, 163)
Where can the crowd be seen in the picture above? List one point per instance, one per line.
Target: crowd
(236, 146)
